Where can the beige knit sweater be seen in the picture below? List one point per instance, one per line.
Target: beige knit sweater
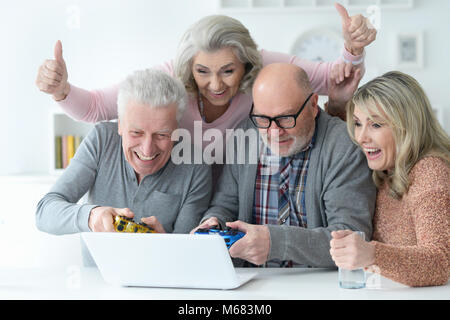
(411, 235)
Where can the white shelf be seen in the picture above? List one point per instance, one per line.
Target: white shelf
(288, 6)
(62, 124)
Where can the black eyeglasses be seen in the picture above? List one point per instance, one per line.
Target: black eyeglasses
(284, 122)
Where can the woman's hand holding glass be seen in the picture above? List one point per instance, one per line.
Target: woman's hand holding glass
(350, 251)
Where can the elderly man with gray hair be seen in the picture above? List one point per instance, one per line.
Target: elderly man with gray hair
(126, 167)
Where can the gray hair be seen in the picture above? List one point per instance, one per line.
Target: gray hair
(211, 34)
(154, 88)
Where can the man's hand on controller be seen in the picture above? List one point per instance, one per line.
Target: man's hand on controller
(101, 219)
(254, 247)
(153, 223)
(211, 222)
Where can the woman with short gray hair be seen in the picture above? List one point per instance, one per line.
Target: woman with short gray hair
(212, 34)
(217, 61)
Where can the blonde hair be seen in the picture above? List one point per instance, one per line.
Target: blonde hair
(211, 34)
(400, 100)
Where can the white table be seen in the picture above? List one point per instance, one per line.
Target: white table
(270, 284)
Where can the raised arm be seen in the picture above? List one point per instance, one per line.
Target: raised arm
(357, 32)
(80, 104)
(319, 73)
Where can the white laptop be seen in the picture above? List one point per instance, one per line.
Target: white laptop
(165, 260)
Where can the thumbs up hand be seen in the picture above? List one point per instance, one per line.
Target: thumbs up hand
(52, 75)
(357, 30)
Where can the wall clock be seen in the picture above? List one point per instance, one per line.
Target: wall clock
(321, 44)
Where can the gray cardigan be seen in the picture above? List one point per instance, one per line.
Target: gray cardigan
(340, 194)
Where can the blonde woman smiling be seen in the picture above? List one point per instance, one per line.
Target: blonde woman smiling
(391, 119)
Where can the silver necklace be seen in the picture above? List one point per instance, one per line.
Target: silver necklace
(201, 106)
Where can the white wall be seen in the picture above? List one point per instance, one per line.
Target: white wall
(21, 244)
(117, 36)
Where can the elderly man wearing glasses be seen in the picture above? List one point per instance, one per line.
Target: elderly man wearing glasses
(320, 183)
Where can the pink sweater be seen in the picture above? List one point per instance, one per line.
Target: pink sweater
(412, 235)
(98, 105)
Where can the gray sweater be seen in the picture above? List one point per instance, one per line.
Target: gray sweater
(339, 194)
(177, 195)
